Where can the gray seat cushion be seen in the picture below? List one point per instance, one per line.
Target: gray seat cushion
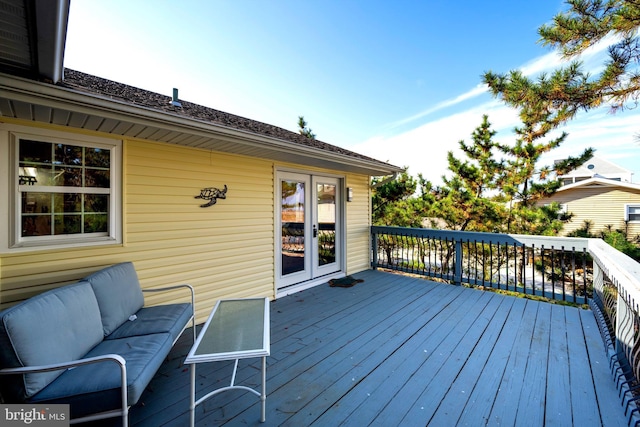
(96, 388)
(118, 293)
(169, 318)
(57, 326)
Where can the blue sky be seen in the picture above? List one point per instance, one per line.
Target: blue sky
(396, 80)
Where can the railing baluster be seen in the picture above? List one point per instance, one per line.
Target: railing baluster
(584, 273)
(491, 264)
(499, 266)
(573, 273)
(523, 267)
(489, 260)
(506, 250)
(475, 264)
(544, 291)
(553, 272)
(533, 270)
(562, 274)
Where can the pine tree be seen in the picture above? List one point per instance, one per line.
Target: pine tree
(588, 22)
(394, 203)
(304, 130)
(464, 201)
(498, 187)
(523, 183)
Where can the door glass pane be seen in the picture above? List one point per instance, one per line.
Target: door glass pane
(326, 223)
(292, 226)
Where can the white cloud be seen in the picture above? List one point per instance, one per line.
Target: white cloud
(476, 91)
(424, 148)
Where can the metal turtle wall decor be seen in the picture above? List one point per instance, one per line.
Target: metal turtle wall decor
(212, 195)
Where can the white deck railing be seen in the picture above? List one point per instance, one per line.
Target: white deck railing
(616, 305)
(553, 267)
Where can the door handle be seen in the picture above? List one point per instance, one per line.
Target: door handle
(315, 231)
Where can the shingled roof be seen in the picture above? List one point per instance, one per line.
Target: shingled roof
(93, 85)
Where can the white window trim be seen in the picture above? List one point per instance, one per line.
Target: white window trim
(10, 240)
(626, 211)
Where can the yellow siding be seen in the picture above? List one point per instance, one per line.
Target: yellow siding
(224, 251)
(358, 224)
(602, 206)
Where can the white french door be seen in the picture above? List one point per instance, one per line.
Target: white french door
(309, 236)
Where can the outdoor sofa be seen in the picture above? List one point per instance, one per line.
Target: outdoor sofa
(90, 344)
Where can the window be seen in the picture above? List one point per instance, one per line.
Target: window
(632, 213)
(66, 189)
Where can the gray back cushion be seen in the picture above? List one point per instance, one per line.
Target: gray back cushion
(57, 326)
(118, 293)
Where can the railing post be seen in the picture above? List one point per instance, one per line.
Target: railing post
(457, 274)
(374, 248)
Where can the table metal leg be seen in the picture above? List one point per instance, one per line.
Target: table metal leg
(263, 396)
(192, 404)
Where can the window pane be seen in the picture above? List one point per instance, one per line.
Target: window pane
(68, 177)
(293, 249)
(98, 203)
(35, 175)
(36, 225)
(97, 157)
(96, 178)
(68, 155)
(36, 203)
(67, 203)
(35, 151)
(68, 224)
(96, 223)
(70, 211)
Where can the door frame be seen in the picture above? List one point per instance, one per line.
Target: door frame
(308, 282)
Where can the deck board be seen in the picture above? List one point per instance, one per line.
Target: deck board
(579, 369)
(558, 392)
(535, 373)
(397, 350)
(504, 411)
(459, 395)
(483, 398)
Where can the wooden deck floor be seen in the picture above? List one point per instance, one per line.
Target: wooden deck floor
(395, 350)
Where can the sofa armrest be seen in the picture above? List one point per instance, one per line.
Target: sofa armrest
(193, 301)
(113, 358)
(66, 365)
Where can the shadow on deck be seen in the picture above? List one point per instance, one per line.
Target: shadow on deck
(396, 350)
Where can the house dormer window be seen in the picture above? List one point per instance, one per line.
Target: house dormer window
(66, 189)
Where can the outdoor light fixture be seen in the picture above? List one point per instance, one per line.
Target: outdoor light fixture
(349, 194)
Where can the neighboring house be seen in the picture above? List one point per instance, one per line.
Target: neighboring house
(95, 172)
(602, 201)
(597, 167)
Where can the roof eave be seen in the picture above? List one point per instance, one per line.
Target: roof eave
(601, 182)
(54, 97)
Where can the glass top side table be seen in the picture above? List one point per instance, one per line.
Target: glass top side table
(236, 329)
